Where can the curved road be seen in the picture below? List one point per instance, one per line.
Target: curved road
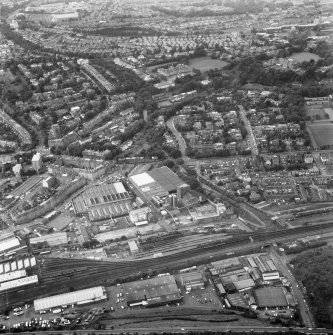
(252, 140)
(179, 137)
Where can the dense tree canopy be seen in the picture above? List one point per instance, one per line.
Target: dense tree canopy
(315, 271)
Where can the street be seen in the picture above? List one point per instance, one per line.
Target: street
(179, 137)
(280, 262)
(250, 134)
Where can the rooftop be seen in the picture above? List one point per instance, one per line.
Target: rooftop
(270, 297)
(152, 289)
(94, 293)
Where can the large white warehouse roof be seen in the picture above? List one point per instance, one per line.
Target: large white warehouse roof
(90, 294)
(12, 275)
(9, 244)
(18, 283)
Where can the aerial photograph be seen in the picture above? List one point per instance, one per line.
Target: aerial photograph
(166, 167)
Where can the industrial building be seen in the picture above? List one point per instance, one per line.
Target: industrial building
(152, 292)
(18, 283)
(54, 239)
(192, 280)
(244, 284)
(205, 213)
(12, 275)
(158, 182)
(81, 297)
(270, 275)
(133, 247)
(270, 297)
(102, 202)
(9, 244)
(140, 214)
(237, 301)
(222, 292)
(128, 232)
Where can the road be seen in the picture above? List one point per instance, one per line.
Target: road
(99, 272)
(281, 263)
(184, 330)
(179, 137)
(244, 207)
(16, 127)
(252, 140)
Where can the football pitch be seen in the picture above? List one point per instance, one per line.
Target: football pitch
(322, 133)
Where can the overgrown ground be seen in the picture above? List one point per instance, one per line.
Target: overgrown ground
(315, 271)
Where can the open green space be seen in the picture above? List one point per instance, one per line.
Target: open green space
(205, 64)
(322, 133)
(316, 113)
(304, 56)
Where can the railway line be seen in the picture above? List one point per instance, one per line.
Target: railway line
(255, 215)
(58, 275)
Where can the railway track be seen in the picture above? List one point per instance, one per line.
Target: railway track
(60, 275)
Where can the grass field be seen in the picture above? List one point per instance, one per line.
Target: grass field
(322, 133)
(313, 112)
(304, 56)
(206, 63)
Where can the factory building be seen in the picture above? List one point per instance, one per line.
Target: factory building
(133, 247)
(12, 275)
(192, 280)
(158, 182)
(81, 297)
(103, 202)
(270, 275)
(54, 239)
(7, 244)
(270, 298)
(18, 283)
(139, 215)
(152, 292)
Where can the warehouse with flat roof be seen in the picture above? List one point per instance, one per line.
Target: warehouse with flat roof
(80, 297)
(9, 244)
(12, 275)
(56, 238)
(158, 182)
(152, 292)
(270, 297)
(192, 280)
(21, 282)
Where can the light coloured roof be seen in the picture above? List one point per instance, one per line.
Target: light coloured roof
(142, 179)
(12, 275)
(119, 187)
(52, 239)
(36, 157)
(9, 244)
(18, 282)
(69, 298)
